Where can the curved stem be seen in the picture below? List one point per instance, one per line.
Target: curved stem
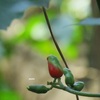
(81, 93)
(57, 46)
(60, 85)
(70, 90)
(54, 80)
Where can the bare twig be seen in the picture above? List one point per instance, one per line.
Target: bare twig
(77, 97)
(57, 46)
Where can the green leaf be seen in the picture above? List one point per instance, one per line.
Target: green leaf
(15, 8)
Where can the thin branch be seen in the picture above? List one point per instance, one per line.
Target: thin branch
(57, 46)
(60, 85)
(54, 40)
(77, 97)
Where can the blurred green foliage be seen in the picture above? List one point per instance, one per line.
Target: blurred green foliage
(6, 93)
(66, 25)
(9, 95)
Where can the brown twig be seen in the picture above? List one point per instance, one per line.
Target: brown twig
(57, 46)
(77, 97)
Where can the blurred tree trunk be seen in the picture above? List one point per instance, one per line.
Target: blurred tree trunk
(94, 57)
(94, 54)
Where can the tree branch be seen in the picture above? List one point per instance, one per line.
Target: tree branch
(57, 46)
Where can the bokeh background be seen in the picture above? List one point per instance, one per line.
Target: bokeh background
(26, 42)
